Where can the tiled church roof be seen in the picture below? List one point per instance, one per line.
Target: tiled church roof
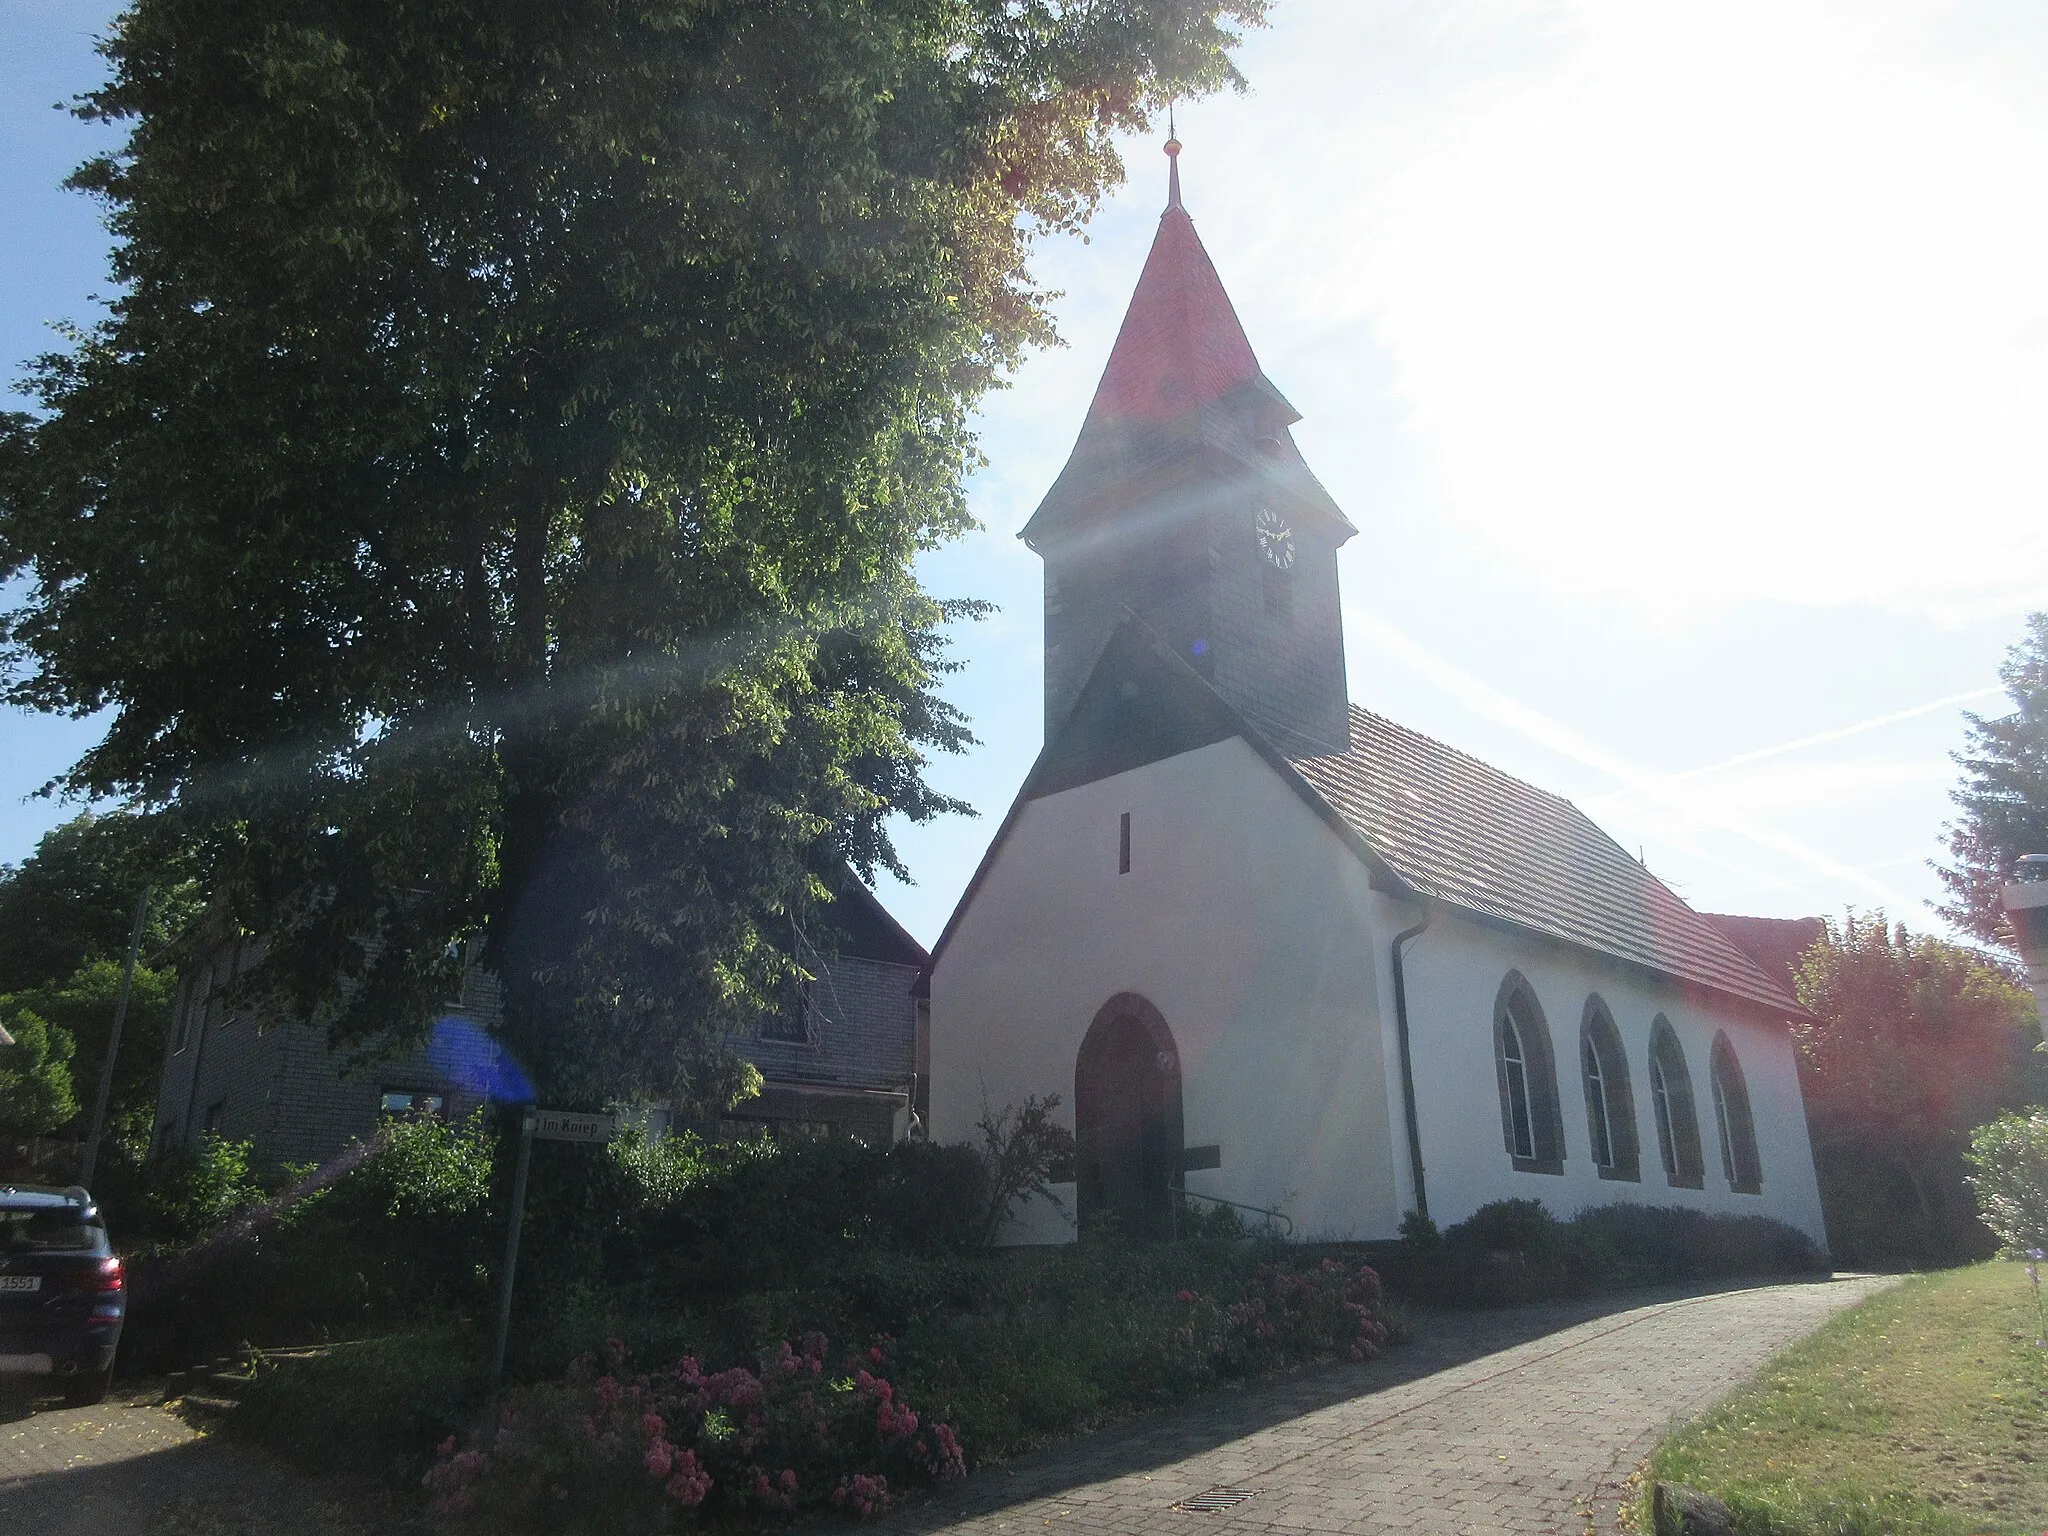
(1462, 831)
(1181, 380)
(1181, 346)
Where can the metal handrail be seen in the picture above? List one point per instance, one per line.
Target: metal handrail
(1239, 1205)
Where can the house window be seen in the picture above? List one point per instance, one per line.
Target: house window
(1123, 844)
(1528, 1081)
(1740, 1164)
(1610, 1106)
(1678, 1126)
(793, 1026)
(409, 1101)
(216, 1116)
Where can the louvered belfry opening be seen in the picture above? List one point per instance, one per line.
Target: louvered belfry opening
(1127, 1121)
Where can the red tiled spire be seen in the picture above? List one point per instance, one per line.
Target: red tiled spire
(1181, 346)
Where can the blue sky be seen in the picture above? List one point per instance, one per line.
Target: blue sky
(1683, 368)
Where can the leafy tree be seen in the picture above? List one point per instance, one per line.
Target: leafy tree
(82, 1009)
(1914, 1042)
(2003, 798)
(71, 901)
(35, 1076)
(490, 505)
(2010, 1159)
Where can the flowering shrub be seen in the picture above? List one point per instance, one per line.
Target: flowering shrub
(1282, 1315)
(2010, 1178)
(606, 1449)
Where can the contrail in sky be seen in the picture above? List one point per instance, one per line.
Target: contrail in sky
(1821, 738)
(1487, 701)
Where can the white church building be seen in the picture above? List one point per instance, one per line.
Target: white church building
(1273, 949)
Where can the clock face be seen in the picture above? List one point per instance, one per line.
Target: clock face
(1276, 539)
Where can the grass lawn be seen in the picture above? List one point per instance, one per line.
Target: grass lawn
(1921, 1411)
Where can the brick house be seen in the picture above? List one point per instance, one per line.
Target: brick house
(848, 1063)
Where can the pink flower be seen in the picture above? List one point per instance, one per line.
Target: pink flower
(652, 1427)
(895, 1420)
(690, 1483)
(952, 1463)
(875, 1354)
(1184, 1296)
(660, 1459)
(607, 1391)
(865, 1494)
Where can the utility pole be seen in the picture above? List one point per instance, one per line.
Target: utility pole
(99, 1108)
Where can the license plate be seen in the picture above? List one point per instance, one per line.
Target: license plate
(20, 1283)
(34, 1365)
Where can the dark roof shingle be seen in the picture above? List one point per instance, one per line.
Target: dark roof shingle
(1462, 831)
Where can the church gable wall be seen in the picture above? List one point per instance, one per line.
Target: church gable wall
(1455, 971)
(1244, 920)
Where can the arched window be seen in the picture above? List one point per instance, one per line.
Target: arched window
(1610, 1102)
(1739, 1162)
(1528, 1081)
(1678, 1123)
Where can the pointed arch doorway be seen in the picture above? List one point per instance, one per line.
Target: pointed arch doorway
(1127, 1119)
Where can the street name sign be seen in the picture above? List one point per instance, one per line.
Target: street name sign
(574, 1125)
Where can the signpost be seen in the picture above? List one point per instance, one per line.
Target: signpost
(546, 1125)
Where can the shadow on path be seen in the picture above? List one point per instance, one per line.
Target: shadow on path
(1440, 1341)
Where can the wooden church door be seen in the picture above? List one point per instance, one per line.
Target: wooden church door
(1127, 1119)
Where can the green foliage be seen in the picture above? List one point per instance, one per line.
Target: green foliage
(1914, 1041)
(404, 1229)
(72, 901)
(535, 412)
(2010, 1179)
(81, 1006)
(1010, 1347)
(700, 1220)
(35, 1073)
(196, 1191)
(372, 1407)
(1513, 1251)
(1023, 1151)
(2003, 799)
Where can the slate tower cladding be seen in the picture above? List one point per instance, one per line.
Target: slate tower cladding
(1186, 502)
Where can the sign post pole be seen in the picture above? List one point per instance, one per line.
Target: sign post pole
(99, 1106)
(528, 1119)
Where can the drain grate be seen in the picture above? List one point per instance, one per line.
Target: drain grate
(1216, 1499)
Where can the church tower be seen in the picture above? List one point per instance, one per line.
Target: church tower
(1186, 503)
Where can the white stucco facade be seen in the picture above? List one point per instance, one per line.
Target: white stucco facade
(1243, 920)
(1254, 929)
(1455, 969)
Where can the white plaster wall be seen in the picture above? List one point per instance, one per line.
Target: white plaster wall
(1454, 973)
(1245, 921)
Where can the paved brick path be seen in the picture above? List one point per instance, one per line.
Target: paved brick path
(130, 1467)
(1489, 1424)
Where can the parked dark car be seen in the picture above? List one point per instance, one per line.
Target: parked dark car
(62, 1295)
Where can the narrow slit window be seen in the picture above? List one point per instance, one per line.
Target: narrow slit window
(1123, 844)
(1596, 1106)
(1523, 1141)
(1660, 1097)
